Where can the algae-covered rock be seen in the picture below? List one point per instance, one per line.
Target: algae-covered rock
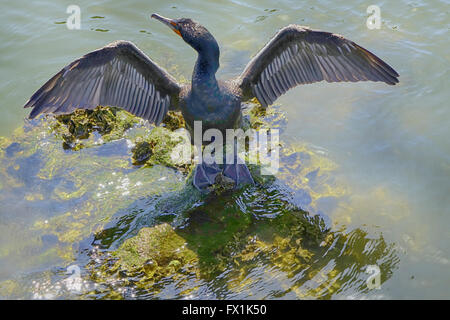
(109, 122)
(230, 239)
(174, 120)
(260, 117)
(157, 148)
(142, 151)
(155, 253)
(215, 237)
(158, 249)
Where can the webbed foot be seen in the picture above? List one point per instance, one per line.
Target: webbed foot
(239, 173)
(205, 175)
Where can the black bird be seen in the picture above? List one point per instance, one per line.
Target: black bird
(121, 75)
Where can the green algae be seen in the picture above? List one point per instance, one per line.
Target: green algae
(142, 151)
(156, 148)
(153, 254)
(174, 120)
(220, 239)
(109, 122)
(159, 244)
(214, 238)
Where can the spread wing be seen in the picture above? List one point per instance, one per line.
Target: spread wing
(118, 75)
(298, 55)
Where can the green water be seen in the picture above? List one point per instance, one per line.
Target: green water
(364, 173)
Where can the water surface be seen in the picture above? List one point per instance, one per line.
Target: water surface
(372, 160)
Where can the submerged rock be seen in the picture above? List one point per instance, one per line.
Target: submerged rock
(230, 239)
(158, 250)
(215, 237)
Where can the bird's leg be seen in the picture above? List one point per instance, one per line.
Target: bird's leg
(237, 170)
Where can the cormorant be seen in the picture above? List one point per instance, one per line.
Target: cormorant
(121, 75)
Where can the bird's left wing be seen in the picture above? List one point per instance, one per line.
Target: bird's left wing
(298, 55)
(118, 75)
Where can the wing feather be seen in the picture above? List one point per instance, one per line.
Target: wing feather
(298, 55)
(118, 75)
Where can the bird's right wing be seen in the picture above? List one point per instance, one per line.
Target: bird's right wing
(298, 55)
(118, 75)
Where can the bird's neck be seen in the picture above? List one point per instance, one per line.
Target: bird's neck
(204, 75)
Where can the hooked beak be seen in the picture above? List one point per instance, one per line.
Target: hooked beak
(168, 22)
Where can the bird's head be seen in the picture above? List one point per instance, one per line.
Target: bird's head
(193, 33)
